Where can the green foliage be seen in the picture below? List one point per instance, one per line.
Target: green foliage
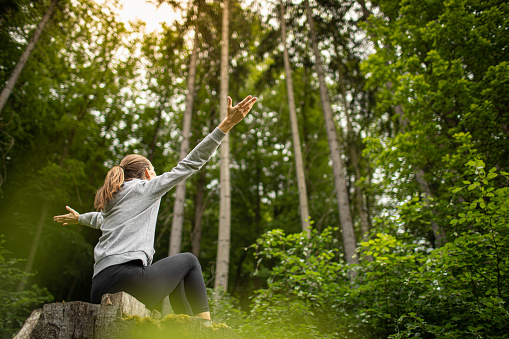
(305, 288)
(440, 76)
(440, 72)
(15, 306)
(455, 291)
(401, 289)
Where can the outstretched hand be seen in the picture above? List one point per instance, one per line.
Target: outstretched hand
(235, 114)
(69, 218)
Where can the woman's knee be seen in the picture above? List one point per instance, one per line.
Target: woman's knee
(191, 259)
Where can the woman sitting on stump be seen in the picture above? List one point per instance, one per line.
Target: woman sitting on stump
(128, 204)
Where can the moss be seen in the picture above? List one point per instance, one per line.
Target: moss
(218, 326)
(178, 318)
(178, 325)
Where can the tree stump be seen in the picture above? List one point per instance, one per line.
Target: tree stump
(119, 316)
(61, 320)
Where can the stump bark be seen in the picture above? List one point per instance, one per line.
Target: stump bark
(119, 316)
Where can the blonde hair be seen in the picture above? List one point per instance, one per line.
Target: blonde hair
(132, 166)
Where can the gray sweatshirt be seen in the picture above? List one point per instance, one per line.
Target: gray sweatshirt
(128, 222)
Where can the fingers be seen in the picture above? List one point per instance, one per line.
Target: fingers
(60, 218)
(71, 210)
(65, 219)
(243, 102)
(248, 106)
(250, 103)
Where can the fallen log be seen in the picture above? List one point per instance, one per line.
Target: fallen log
(119, 316)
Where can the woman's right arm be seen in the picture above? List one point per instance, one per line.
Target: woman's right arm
(194, 161)
(202, 153)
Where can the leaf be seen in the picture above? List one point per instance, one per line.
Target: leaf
(473, 186)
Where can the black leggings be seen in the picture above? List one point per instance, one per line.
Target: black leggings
(178, 276)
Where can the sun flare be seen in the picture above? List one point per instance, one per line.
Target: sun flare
(151, 14)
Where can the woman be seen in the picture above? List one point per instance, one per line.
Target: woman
(128, 204)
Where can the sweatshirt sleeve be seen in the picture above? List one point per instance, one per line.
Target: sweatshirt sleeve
(194, 161)
(91, 219)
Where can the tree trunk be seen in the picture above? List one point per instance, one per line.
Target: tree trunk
(354, 157)
(365, 11)
(35, 245)
(180, 194)
(338, 167)
(199, 208)
(438, 232)
(5, 148)
(299, 164)
(6, 92)
(223, 244)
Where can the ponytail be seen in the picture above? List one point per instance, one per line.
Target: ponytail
(112, 183)
(132, 166)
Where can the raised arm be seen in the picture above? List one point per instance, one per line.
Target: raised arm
(161, 184)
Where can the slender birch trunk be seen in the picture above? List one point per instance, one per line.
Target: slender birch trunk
(180, 193)
(338, 167)
(7, 90)
(299, 164)
(223, 244)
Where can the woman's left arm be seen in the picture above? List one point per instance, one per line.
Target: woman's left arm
(91, 219)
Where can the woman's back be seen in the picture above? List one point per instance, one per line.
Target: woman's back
(128, 227)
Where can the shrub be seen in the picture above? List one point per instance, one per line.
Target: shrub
(403, 288)
(15, 306)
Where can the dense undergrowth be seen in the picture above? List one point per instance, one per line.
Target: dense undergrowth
(402, 288)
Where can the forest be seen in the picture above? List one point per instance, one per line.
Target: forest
(364, 196)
